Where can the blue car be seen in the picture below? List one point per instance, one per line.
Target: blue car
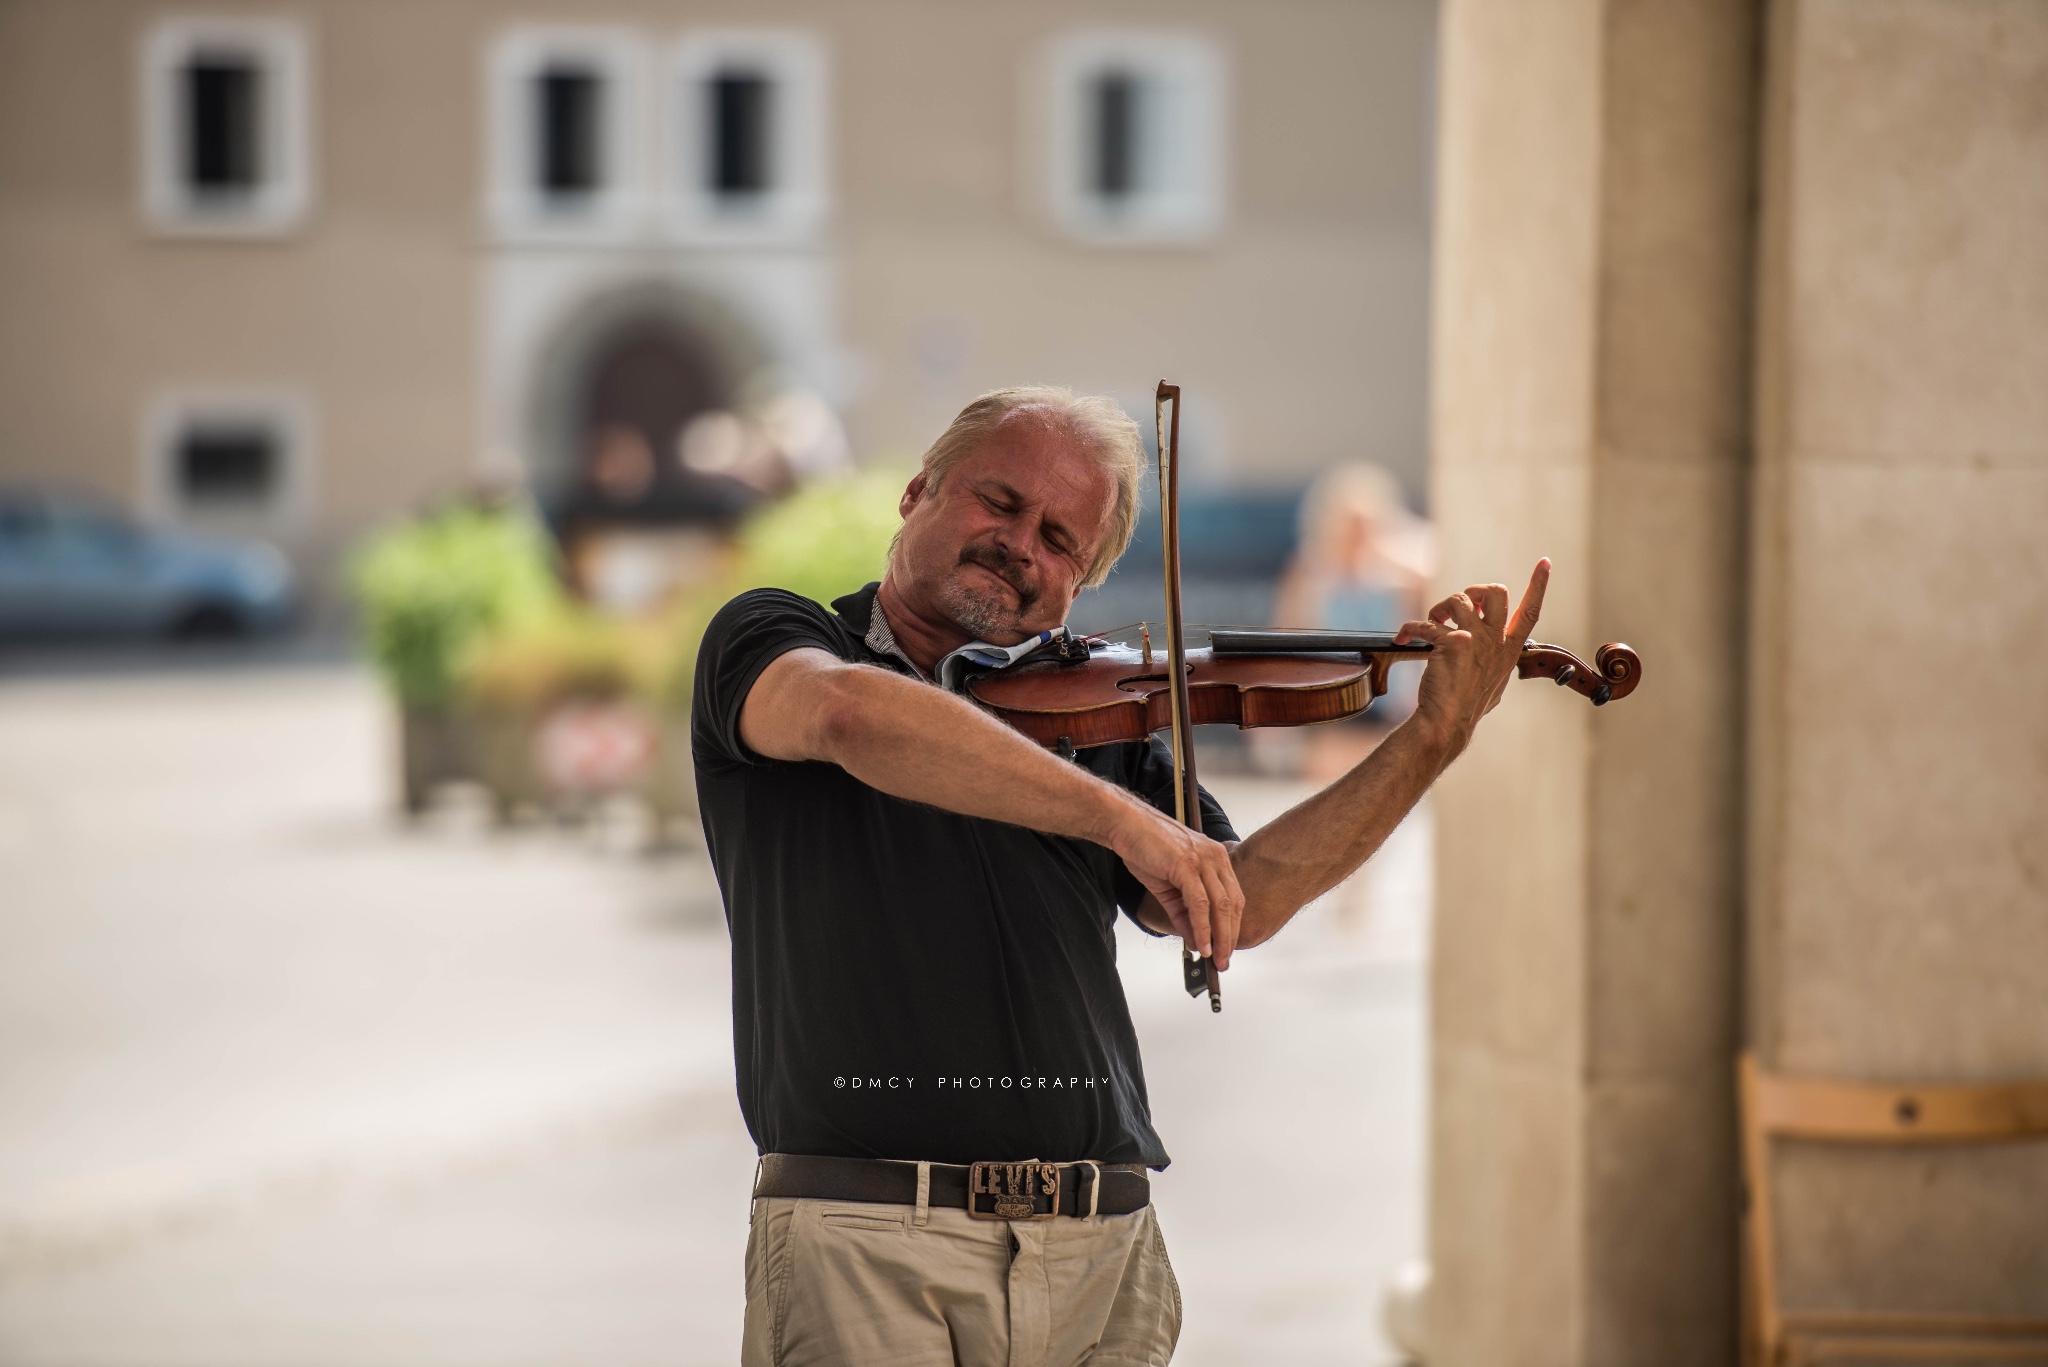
(71, 566)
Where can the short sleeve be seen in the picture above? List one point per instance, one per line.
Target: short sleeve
(1147, 770)
(747, 634)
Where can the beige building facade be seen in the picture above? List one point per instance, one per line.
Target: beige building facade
(293, 269)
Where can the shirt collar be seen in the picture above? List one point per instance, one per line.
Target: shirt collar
(882, 641)
(954, 669)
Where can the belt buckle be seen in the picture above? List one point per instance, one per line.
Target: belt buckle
(1013, 1191)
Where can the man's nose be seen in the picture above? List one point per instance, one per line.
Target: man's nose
(1018, 538)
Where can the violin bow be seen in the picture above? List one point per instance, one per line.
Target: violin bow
(1198, 974)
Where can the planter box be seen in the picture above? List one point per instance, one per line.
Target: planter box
(554, 762)
(434, 747)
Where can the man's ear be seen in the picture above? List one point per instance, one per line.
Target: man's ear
(913, 494)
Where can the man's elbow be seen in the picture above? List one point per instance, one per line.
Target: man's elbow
(841, 718)
(1258, 925)
(802, 709)
(1265, 910)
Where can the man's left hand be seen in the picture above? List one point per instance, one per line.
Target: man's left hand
(1477, 646)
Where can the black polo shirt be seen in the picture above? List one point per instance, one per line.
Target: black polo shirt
(909, 983)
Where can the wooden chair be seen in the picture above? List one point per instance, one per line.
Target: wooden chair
(1774, 1104)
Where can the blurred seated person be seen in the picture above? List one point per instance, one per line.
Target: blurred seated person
(1363, 564)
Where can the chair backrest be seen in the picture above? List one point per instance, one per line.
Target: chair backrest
(1775, 1104)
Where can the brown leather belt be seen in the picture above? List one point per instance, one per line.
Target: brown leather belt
(987, 1191)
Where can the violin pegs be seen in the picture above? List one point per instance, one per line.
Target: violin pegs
(1601, 694)
(1565, 675)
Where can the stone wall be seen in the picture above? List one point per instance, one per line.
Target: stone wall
(1898, 793)
(1741, 307)
(1592, 359)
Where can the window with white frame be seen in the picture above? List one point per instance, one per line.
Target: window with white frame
(565, 133)
(1135, 124)
(231, 459)
(225, 115)
(745, 152)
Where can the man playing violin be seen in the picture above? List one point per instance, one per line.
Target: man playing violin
(934, 1054)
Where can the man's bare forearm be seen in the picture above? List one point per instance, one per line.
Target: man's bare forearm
(913, 741)
(1298, 857)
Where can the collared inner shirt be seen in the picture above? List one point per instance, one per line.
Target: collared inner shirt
(954, 671)
(881, 640)
(912, 983)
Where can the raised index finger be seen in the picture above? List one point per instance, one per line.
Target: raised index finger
(1524, 620)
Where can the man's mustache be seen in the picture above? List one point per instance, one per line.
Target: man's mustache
(1001, 563)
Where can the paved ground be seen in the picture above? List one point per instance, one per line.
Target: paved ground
(283, 1083)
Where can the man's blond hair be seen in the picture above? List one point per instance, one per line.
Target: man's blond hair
(1096, 423)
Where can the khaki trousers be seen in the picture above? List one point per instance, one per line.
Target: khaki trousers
(849, 1284)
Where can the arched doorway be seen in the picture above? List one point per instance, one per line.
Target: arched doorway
(623, 378)
(646, 379)
(618, 376)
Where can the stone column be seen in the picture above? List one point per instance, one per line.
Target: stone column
(1898, 790)
(1591, 402)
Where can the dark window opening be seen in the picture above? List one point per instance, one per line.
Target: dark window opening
(742, 107)
(1115, 172)
(571, 132)
(236, 467)
(223, 124)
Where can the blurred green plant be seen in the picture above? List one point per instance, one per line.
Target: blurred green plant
(826, 539)
(464, 605)
(432, 588)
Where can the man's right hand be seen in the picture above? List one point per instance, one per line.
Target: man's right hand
(1188, 874)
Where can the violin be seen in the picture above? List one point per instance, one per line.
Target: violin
(1088, 691)
(1097, 691)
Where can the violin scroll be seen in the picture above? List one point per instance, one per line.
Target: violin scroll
(1614, 674)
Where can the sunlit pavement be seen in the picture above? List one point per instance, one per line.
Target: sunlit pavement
(285, 1083)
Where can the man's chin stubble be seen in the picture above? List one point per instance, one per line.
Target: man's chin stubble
(986, 617)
